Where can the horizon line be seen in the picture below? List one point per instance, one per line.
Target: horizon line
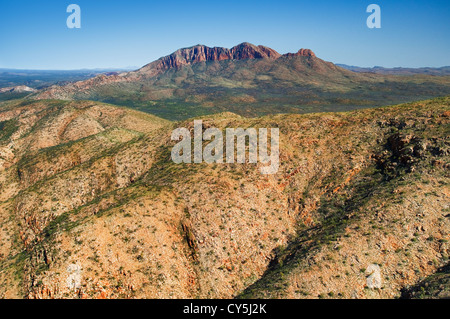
(133, 68)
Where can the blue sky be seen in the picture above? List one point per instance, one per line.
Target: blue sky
(117, 33)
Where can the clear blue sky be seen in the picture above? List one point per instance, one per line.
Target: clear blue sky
(118, 33)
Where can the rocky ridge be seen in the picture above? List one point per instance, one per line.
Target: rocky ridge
(91, 206)
(202, 53)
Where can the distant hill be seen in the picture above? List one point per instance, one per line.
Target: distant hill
(442, 71)
(248, 80)
(15, 92)
(39, 79)
(17, 89)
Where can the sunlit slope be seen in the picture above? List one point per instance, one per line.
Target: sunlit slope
(93, 207)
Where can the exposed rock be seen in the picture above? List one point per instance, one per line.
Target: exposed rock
(202, 53)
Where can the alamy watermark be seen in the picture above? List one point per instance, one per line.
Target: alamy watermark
(374, 20)
(74, 20)
(237, 141)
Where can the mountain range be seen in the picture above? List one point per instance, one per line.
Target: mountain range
(445, 70)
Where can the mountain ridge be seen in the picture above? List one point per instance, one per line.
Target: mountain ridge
(92, 206)
(436, 71)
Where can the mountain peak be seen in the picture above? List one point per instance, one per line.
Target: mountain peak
(247, 50)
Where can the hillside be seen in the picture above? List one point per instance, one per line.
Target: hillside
(248, 80)
(91, 206)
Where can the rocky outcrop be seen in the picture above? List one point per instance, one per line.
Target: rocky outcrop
(201, 53)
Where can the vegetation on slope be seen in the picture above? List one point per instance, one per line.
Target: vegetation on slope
(92, 206)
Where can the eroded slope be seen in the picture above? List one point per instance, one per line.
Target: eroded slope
(109, 215)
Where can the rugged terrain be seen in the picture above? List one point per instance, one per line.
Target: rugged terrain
(247, 80)
(91, 205)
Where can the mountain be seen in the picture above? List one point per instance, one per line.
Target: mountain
(248, 80)
(92, 206)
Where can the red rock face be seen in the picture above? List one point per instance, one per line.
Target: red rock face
(202, 53)
(249, 51)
